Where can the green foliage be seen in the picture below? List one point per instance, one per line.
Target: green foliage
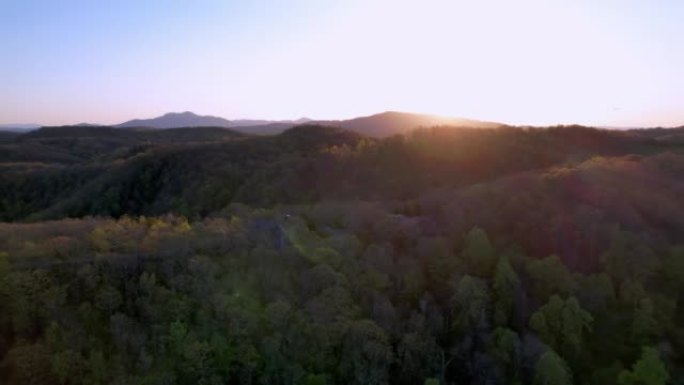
(550, 276)
(371, 265)
(367, 354)
(505, 348)
(673, 267)
(552, 370)
(645, 328)
(472, 303)
(648, 370)
(418, 356)
(562, 324)
(4, 264)
(314, 379)
(439, 261)
(479, 254)
(506, 284)
(628, 257)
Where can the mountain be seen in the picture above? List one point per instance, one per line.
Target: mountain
(87, 125)
(19, 127)
(393, 122)
(378, 125)
(189, 119)
(176, 120)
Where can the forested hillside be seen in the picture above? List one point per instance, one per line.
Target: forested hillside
(321, 256)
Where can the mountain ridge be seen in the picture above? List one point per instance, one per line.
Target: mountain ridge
(378, 125)
(190, 119)
(396, 122)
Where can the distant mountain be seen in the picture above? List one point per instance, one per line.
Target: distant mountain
(378, 125)
(189, 119)
(393, 122)
(177, 120)
(88, 125)
(19, 127)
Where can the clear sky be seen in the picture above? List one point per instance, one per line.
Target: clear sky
(601, 62)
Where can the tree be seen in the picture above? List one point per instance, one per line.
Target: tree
(418, 357)
(596, 292)
(506, 284)
(673, 268)
(314, 379)
(4, 300)
(108, 298)
(4, 265)
(192, 354)
(479, 253)
(67, 365)
(631, 293)
(645, 327)
(562, 324)
(472, 301)
(439, 263)
(629, 257)
(505, 347)
(649, 370)
(366, 355)
(28, 364)
(552, 370)
(550, 276)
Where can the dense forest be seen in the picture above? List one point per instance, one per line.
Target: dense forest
(507, 255)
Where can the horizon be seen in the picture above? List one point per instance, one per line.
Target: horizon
(308, 120)
(614, 64)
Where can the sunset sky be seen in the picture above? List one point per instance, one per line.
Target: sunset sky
(596, 62)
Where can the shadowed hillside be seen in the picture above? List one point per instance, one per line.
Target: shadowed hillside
(392, 122)
(194, 171)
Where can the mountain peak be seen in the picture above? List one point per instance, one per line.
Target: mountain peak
(178, 119)
(381, 124)
(398, 122)
(184, 113)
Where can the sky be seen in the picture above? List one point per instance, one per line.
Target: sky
(537, 62)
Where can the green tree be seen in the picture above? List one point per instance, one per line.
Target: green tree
(4, 265)
(418, 357)
(439, 262)
(472, 301)
(505, 349)
(649, 370)
(629, 257)
(550, 276)
(67, 365)
(551, 369)
(108, 298)
(645, 327)
(367, 354)
(28, 364)
(5, 318)
(506, 284)
(673, 267)
(562, 324)
(314, 379)
(479, 254)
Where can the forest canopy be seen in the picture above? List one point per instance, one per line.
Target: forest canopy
(320, 256)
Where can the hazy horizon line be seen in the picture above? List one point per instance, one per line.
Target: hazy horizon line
(33, 125)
